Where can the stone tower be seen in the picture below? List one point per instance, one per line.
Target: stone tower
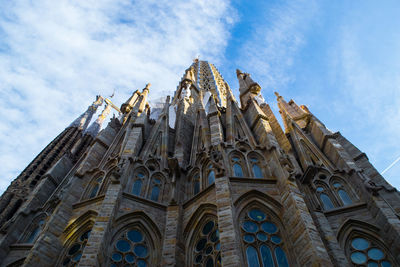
(200, 180)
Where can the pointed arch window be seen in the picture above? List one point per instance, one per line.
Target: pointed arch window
(138, 183)
(74, 251)
(262, 240)
(196, 184)
(206, 248)
(237, 166)
(35, 232)
(210, 174)
(131, 249)
(95, 187)
(324, 198)
(255, 167)
(342, 193)
(363, 251)
(156, 187)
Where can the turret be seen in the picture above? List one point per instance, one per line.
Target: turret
(247, 87)
(83, 120)
(94, 129)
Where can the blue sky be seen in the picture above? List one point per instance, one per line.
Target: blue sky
(340, 58)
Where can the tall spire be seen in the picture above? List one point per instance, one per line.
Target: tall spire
(83, 120)
(209, 79)
(95, 127)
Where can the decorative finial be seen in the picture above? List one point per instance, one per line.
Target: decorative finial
(238, 72)
(277, 95)
(147, 86)
(111, 96)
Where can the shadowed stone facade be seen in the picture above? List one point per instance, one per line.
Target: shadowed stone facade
(200, 180)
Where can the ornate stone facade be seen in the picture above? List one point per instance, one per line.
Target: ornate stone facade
(200, 181)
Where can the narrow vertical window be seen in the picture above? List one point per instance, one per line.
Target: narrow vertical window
(255, 167)
(137, 187)
(155, 192)
(344, 197)
(96, 187)
(237, 168)
(210, 175)
(325, 199)
(155, 189)
(196, 184)
(137, 184)
(33, 235)
(252, 258)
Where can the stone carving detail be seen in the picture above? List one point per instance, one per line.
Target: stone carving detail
(217, 161)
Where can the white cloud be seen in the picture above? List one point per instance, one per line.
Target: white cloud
(55, 56)
(276, 40)
(372, 96)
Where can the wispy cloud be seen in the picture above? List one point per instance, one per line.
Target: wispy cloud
(277, 38)
(55, 56)
(371, 89)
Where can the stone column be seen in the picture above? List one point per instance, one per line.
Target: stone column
(94, 253)
(169, 249)
(229, 244)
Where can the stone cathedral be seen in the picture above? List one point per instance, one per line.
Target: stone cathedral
(201, 179)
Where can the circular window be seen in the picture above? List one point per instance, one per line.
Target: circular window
(364, 251)
(130, 249)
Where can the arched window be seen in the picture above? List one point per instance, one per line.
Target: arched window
(342, 192)
(255, 165)
(95, 187)
(324, 198)
(363, 251)
(35, 232)
(156, 187)
(237, 165)
(262, 240)
(206, 250)
(74, 252)
(131, 248)
(210, 174)
(196, 184)
(138, 181)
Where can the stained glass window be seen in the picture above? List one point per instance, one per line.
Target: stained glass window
(131, 249)
(364, 251)
(262, 240)
(74, 252)
(207, 247)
